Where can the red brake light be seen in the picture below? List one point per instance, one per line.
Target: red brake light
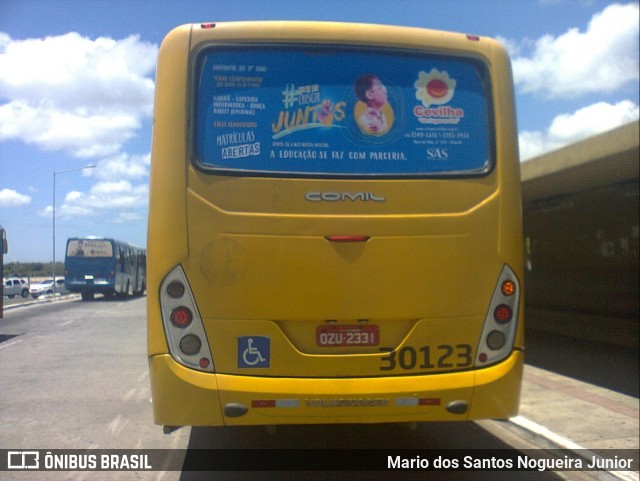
(181, 317)
(347, 238)
(502, 314)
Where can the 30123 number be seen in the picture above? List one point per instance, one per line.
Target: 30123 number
(442, 357)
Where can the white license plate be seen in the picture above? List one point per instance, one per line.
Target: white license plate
(348, 335)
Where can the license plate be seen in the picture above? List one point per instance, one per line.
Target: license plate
(354, 335)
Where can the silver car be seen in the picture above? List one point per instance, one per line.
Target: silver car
(15, 287)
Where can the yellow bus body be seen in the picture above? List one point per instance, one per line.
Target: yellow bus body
(259, 261)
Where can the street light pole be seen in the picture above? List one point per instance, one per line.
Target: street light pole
(54, 216)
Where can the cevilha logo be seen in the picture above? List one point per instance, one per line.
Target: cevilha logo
(434, 88)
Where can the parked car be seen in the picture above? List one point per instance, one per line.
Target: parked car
(15, 287)
(46, 287)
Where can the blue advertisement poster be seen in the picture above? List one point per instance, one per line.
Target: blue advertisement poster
(339, 112)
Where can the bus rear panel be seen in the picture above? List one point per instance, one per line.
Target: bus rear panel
(104, 266)
(334, 227)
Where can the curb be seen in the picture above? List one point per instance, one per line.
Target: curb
(43, 300)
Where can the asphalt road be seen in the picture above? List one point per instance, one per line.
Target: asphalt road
(75, 376)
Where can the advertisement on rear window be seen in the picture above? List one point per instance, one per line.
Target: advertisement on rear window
(89, 248)
(341, 113)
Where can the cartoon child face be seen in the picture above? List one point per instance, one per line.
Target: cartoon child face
(377, 94)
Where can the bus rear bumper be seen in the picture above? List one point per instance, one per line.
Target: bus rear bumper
(183, 396)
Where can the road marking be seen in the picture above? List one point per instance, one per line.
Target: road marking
(544, 432)
(3, 345)
(129, 395)
(117, 425)
(565, 443)
(66, 323)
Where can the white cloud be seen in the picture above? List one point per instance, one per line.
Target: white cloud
(11, 198)
(566, 129)
(111, 195)
(53, 129)
(126, 217)
(73, 93)
(105, 200)
(124, 166)
(602, 59)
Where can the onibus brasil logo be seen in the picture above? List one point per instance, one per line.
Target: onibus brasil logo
(434, 90)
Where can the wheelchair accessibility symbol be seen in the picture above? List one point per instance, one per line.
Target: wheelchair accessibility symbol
(253, 351)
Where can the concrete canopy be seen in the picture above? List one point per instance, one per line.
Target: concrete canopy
(605, 159)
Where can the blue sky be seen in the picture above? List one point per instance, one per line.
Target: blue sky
(77, 79)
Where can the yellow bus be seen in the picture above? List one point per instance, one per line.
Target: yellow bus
(334, 227)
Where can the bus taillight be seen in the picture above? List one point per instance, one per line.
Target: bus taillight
(183, 326)
(181, 317)
(175, 289)
(498, 334)
(508, 287)
(190, 344)
(502, 314)
(495, 340)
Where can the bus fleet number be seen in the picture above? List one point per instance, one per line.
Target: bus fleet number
(446, 356)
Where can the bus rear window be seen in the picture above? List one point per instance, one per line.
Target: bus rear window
(89, 248)
(337, 112)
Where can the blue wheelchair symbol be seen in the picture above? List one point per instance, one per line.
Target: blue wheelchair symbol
(254, 351)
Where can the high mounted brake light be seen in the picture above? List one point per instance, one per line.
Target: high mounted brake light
(347, 238)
